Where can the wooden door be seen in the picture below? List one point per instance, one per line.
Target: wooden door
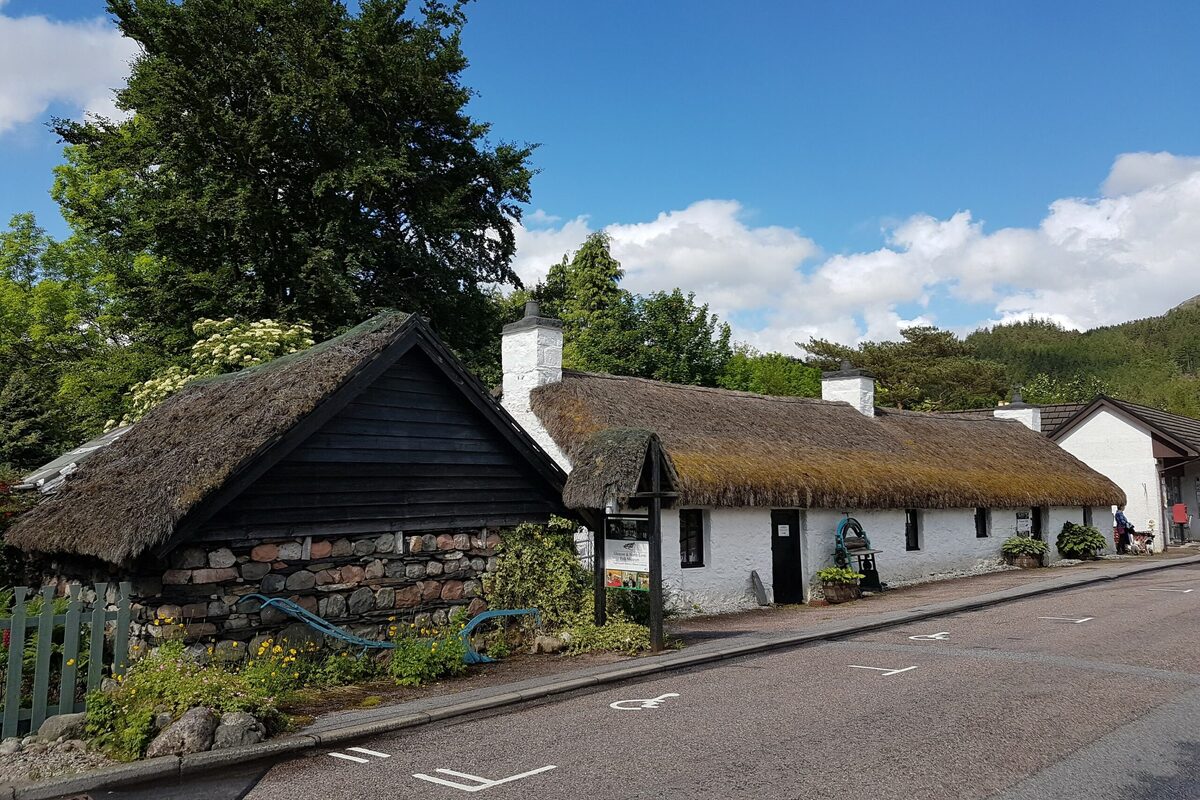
(786, 572)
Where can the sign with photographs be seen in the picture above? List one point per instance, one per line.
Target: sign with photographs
(1024, 523)
(627, 553)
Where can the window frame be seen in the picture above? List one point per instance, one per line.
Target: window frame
(1088, 518)
(983, 522)
(912, 530)
(690, 532)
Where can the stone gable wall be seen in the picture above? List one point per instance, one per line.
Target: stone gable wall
(365, 584)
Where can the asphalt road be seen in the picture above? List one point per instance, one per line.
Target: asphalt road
(1017, 701)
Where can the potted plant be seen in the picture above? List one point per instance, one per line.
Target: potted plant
(1080, 541)
(839, 584)
(1023, 551)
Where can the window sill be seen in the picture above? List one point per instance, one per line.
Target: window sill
(691, 566)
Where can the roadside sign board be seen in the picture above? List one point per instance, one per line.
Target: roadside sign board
(627, 553)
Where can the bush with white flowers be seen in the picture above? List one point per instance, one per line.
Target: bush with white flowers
(223, 345)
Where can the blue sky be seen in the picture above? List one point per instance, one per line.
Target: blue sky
(831, 169)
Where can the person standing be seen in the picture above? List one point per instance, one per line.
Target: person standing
(1124, 531)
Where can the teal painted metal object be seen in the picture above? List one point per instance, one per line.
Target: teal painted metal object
(318, 623)
(329, 629)
(475, 657)
(841, 553)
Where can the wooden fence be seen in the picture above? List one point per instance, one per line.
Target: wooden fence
(43, 671)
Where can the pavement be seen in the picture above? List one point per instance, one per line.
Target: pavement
(765, 688)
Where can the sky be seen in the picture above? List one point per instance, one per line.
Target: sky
(839, 170)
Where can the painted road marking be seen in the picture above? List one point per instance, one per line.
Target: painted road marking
(885, 670)
(931, 637)
(367, 752)
(1164, 589)
(479, 783)
(1073, 620)
(355, 759)
(638, 705)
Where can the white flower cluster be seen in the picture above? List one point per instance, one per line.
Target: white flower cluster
(223, 346)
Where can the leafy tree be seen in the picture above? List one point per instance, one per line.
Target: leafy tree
(63, 363)
(679, 341)
(929, 369)
(665, 336)
(1043, 389)
(770, 373)
(288, 159)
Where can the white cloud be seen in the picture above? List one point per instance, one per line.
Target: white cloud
(43, 62)
(1133, 251)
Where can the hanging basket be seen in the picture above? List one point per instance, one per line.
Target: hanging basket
(841, 592)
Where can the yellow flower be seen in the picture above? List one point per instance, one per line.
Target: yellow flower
(391, 619)
(70, 662)
(292, 651)
(169, 620)
(235, 644)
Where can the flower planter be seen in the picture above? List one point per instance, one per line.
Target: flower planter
(841, 592)
(1027, 561)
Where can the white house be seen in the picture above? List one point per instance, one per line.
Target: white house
(1153, 455)
(763, 482)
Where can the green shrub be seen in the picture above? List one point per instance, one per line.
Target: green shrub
(838, 575)
(171, 681)
(537, 568)
(618, 635)
(1023, 546)
(1080, 541)
(424, 655)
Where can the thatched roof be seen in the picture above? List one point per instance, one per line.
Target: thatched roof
(611, 466)
(129, 497)
(741, 449)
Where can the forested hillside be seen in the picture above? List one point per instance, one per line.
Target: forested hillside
(1154, 361)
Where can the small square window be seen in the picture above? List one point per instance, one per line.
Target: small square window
(691, 537)
(983, 523)
(912, 529)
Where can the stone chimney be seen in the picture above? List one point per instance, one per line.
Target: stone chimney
(531, 356)
(1022, 412)
(849, 385)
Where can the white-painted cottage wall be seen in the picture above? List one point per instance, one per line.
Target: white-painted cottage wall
(736, 542)
(1190, 486)
(1123, 451)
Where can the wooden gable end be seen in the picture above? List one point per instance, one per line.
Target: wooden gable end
(409, 453)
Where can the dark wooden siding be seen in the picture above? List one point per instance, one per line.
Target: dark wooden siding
(409, 453)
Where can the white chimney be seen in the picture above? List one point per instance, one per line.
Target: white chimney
(531, 356)
(1022, 412)
(849, 385)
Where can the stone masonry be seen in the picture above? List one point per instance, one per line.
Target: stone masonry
(363, 583)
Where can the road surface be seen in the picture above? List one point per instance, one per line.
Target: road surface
(1092, 693)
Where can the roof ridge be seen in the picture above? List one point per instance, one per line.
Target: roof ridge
(712, 389)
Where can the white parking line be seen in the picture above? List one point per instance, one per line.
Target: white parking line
(887, 671)
(355, 759)
(1163, 589)
(479, 783)
(365, 751)
(1072, 620)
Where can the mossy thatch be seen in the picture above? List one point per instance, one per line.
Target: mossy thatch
(740, 449)
(128, 498)
(610, 466)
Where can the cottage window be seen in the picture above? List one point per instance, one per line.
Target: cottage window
(912, 529)
(1035, 522)
(691, 537)
(983, 523)
(1087, 516)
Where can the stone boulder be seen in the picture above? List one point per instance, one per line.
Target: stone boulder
(238, 729)
(69, 726)
(191, 733)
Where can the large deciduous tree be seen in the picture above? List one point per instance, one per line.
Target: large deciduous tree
(292, 160)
